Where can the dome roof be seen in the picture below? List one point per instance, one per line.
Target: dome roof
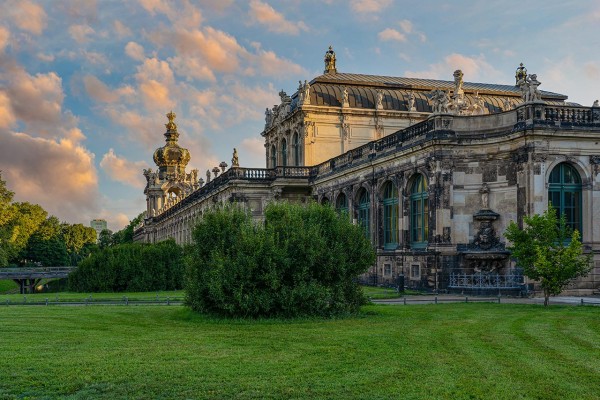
(171, 154)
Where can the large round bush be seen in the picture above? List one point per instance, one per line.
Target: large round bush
(299, 261)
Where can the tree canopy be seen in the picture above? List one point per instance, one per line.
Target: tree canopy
(548, 251)
(29, 235)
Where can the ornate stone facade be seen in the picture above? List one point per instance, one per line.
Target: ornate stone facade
(432, 170)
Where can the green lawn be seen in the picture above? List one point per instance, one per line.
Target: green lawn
(7, 285)
(71, 296)
(448, 351)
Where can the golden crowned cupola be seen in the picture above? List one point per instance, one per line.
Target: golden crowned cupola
(170, 183)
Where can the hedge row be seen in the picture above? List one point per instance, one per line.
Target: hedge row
(131, 267)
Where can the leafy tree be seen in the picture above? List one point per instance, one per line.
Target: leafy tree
(125, 235)
(302, 261)
(76, 238)
(548, 251)
(6, 197)
(50, 252)
(105, 239)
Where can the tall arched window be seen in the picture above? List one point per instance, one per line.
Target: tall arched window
(363, 209)
(341, 204)
(419, 213)
(564, 193)
(284, 152)
(390, 216)
(296, 144)
(273, 156)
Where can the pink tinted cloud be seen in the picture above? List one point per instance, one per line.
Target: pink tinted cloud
(122, 170)
(27, 15)
(391, 34)
(263, 14)
(135, 51)
(58, 174)
(81, 33)
(369, 6)
(36, 100)
(97, 90)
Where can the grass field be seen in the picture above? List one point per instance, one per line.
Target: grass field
(449, 351)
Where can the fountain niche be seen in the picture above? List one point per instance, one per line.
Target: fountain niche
(484, 261)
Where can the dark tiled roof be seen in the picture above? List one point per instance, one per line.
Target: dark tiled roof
(396, 98)
(417, 84)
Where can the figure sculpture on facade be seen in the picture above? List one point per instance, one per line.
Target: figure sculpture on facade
(485, 197)
(534, 93)
(458, 83)
(477, 108)
(345, 102)
(596, 104)
(440, 101)
(411, 102)
(379, 100)
(207, 175)
(506, 106)
(268, 117)
(234, 160)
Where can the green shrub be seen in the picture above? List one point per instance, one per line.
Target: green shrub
(131, 268)
(301, 261)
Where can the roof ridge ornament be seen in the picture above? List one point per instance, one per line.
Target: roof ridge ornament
(330, 61)
(520, 73)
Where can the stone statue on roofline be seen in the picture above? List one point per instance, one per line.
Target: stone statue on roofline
(596, 104)
(330, 61)
(235, 162)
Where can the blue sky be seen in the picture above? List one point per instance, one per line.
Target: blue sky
(85, 85)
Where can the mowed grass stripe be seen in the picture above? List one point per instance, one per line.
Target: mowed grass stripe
(452, 351)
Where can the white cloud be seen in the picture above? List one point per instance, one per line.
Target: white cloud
(369, 6)
(122, 170)
(121, 29)
(252, 153)
(263, 14)
(406, 25)
(135, 51)
(391, 34)
(27, 15)
(81, 33)
(4, 38)
(474, 68)
(185, 14)
(97, 90)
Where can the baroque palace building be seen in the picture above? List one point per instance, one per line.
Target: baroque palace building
(433, 171)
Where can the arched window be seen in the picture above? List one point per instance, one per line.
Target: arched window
(419, 213)
(363, 209)
(390, 216)
(273, 156)
(341, 204)
(564, 193)
(296, 144)
(325, 201)
(284, 153)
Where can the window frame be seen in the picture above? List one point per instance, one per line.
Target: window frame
(390, 216)
(560, 190)
(419, 212)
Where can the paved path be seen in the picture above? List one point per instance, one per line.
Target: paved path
(445, 298)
